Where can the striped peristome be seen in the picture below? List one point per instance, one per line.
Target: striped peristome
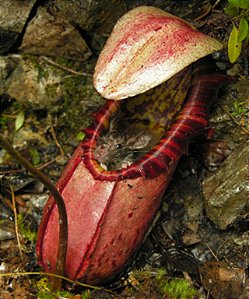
(190, 121)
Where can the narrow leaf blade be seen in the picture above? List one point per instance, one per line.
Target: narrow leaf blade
(247, 39)
(234, 46)
(80, 136)
(244, 4)
(35, 156)
(243, 29)
(233, 2)
(231, 10)
(19, 120)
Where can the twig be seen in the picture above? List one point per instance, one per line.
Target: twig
(212, 252)
(8, 115)
(64, 68)
(216, 3)
(234, 119)
(48, 163)
(16, 221)
(23, 170)
(57, 276)
(54, 135)
(63, 225)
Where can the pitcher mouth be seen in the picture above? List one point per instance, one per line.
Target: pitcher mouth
(184, 116)
(145, 165)
(130, 138)
(161, 47)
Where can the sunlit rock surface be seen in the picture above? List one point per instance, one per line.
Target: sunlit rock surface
(227, 191)
(35, 84)
(50, 33)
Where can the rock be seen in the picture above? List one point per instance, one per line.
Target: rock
(188, 188)
(92, 13)
(35, 84)
(227, 191)
(50, 33)
(7, 230)
(215, 152)
(7, 65)
(11, 27)
(242, 240)
(95, 17)
(236, 102)
(222, 280)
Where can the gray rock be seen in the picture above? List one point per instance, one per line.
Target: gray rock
(7, 65)
(50, 33)
(35, 84)
(6, 235)
(7, 230)
(236, 102)
(95, 17)
(93, 13)
(13, 17)
(227, 191)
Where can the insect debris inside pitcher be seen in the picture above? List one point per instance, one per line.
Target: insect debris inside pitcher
(123, 144)
(141, 122)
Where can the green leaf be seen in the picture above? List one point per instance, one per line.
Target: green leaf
(244, 4)
(234, 46)
(19, 120)
(3, 122)
(243, 29)
(231, 10)
(35, 156)
(25, 230)
(80, 136)
(247, 39)
(233, 2)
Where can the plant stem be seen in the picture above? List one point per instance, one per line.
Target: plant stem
(63, 226)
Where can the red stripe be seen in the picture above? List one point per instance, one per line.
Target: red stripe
(191, 120)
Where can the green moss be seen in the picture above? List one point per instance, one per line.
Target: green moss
(79, 98)
(79, 101)
(35, 156)
(86, 295)
(142, 275)
(45, 291)
(160, 276)
(42, 71)
(178, 289)
(3, 122)
(43, 294)
(239, 108)
(162, 285)
(51, 91)
(24, 230)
